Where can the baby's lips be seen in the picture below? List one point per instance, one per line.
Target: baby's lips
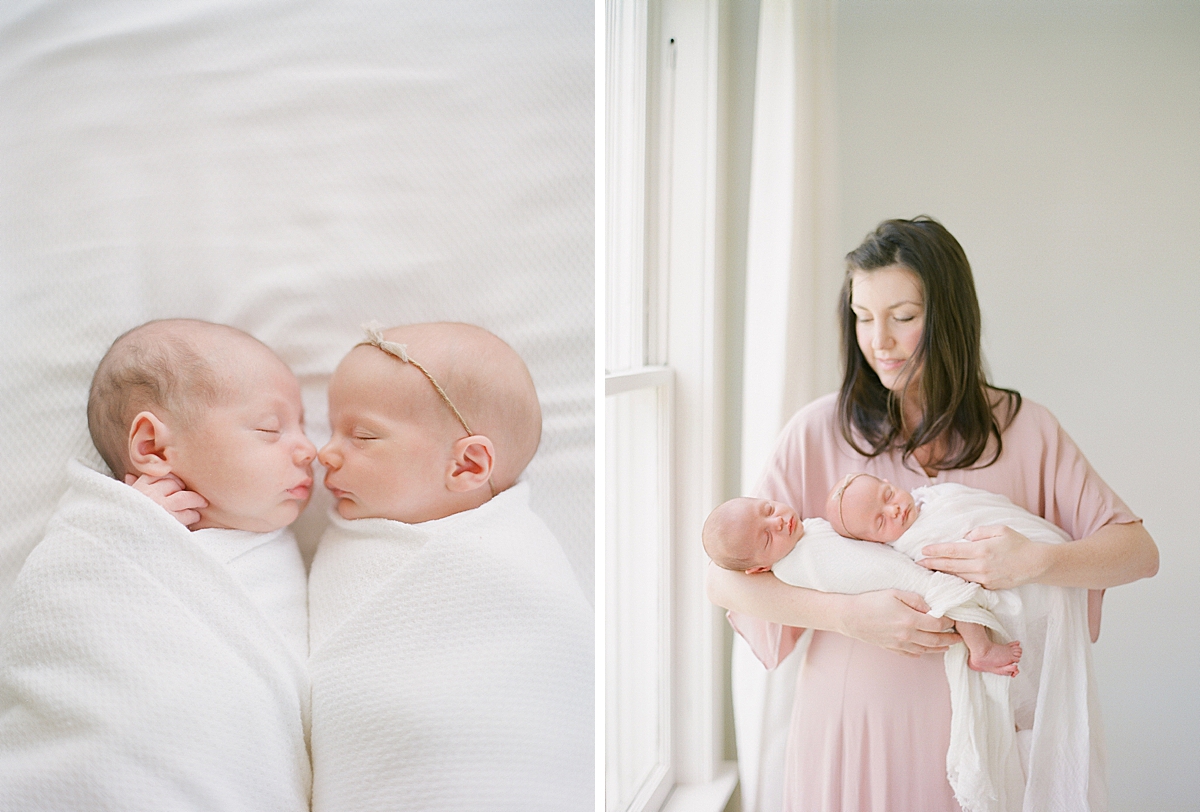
(303, 490)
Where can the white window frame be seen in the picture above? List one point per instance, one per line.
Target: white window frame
(638, 746)
(664, 327)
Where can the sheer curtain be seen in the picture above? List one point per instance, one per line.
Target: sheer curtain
(792, 275)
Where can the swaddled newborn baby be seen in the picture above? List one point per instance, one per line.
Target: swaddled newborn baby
(144, 666)
(868, 508)
(451, 658)
(207, 421)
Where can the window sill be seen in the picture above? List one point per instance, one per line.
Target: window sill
(708, 797)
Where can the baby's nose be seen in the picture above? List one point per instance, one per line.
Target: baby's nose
(306, 452)
(326, 456)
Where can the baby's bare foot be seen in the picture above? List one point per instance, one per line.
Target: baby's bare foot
(997, 658)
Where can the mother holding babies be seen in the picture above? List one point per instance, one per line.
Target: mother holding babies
(870, 723)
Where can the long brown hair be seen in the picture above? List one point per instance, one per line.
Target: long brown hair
(955, 396)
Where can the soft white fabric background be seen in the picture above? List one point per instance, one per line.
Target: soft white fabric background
(293, 169)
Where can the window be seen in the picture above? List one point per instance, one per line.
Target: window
(663, 415)
(637, 590)
(638, 767)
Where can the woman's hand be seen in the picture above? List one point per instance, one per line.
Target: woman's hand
(170, 493)
(896, 621)
(995, 557)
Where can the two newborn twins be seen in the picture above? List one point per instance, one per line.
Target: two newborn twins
(438, 655)
(180, 403)
(753, 535)
(1002, 723)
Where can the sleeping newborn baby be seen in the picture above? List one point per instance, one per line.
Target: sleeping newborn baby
(452, 646)
(144, 666)
(217, 438)
(867, 508)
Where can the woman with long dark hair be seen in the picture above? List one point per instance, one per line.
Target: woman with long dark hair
(871, 719)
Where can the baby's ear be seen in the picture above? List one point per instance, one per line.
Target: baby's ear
(474, 461)
(148, 440)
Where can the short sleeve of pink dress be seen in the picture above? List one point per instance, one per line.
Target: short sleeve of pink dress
(870, 728)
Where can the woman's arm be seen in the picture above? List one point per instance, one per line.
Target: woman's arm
(1000, 558)
(892, 619)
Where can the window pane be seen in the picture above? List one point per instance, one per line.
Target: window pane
(637, 744)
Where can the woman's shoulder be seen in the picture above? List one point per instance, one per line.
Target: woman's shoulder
(819, 414)
(1031, 417)
(803, 446)
(1034, 437)
(813, 425)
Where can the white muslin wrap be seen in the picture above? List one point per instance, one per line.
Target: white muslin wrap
(136, 673)
(1029, 743)
(1054, 699)
(452, 665)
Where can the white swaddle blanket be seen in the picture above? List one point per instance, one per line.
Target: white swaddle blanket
(136, 673)
(1054, 698)
(991, 768)
(271, 570)
(452, 665)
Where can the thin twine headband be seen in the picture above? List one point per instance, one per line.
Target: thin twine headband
(841, 490)
(374, 331)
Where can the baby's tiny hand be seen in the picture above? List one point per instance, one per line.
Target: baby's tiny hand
(169, 492)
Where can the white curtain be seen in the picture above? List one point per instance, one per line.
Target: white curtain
(792, 275)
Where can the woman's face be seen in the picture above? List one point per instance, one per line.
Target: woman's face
(890, 311)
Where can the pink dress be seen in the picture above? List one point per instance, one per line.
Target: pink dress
(870, 728)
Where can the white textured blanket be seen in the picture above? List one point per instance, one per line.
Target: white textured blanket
(137, 674)
(991, 767)
(271, 570)
(452, 666)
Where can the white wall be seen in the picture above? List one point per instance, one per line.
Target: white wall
(1060, 143)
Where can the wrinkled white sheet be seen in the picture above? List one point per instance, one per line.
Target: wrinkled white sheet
(451, 664)
(137, 674)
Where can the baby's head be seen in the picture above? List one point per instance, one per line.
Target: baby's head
(867, 508)
(750, 534)
(213, 406)
(428, 420)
